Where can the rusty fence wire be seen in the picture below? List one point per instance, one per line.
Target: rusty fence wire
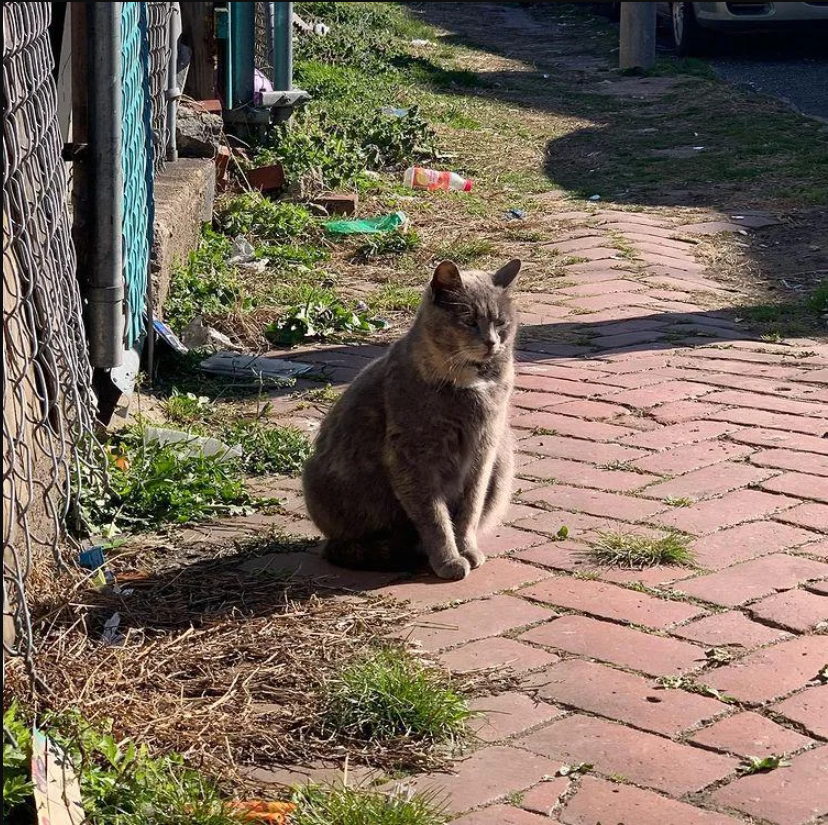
(49, 446)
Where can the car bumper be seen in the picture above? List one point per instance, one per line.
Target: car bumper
(758, 15)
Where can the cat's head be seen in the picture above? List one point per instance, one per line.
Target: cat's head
(470, 316)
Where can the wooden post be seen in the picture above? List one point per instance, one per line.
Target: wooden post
(638, 36)
(198, 33)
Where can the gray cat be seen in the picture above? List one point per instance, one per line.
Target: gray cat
(416, 456)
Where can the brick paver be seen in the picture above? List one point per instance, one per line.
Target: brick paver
(632, 394)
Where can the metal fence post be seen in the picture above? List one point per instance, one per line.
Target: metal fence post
(105, 287)
(173, 91)
(242, 62)
(282, 59)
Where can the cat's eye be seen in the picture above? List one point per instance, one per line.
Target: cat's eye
(500, 323)
(469, 321)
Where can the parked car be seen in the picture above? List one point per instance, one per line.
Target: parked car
(692, 24)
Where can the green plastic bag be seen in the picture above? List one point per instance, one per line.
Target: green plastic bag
(368, 226)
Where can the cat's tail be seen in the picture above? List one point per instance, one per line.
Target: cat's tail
(374, 553)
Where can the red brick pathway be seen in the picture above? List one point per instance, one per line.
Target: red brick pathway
(661, 403)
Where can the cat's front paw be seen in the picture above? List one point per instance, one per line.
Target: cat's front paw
(452, 569)
(470, 551)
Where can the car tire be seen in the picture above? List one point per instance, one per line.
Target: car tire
(689, 37)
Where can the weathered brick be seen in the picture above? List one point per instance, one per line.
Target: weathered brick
(594, 502)
(773, 671)
(751, 579)
(612, 303)
(577, 449)
(507, 714)
(598, 802)
(808, 708)
(501, 815)
(564, 471)
(487, 775)
(709, 516)
(543, 798)
(495, 576)
(756, 538)
(810, 515)
(533, 401)
(792, 460)
(794, 796)
(680, 412)
(772, 403)
(759, 437)
(475, 620)
(622, 696)
(647, 397)
(589, 410)
(749, 734)
(610, 602)
(496, 654)
(772, 420)
(800, 485)
(581, 526)
(731, 628)
(708, 482)
(504, 539)
(655, 655)
(796, 610)
(679, 460)
(567, 425)
(644, 758)
(602, 288)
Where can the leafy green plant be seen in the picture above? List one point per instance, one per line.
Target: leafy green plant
(17, 755)
(392, 243)
(387, 694)
(762, 764)
(206, 284)
(636, 552)
(151, 484)
(275, 222)
(355, 806)
(322, 315)
(267, 447)
(121, 783)
(187, 407)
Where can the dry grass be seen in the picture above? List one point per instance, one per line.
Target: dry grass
(223, 666)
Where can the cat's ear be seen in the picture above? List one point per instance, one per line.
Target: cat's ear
(506, 274)
(446, 277)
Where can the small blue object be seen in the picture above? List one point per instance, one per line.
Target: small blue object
(167, 335)
(519, 214)
(92, 558)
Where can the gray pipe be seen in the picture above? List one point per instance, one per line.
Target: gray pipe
(173, 92)
(105, 281)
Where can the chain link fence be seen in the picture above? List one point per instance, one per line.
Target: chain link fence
(158, 22)
(263, 39)
(49, 446)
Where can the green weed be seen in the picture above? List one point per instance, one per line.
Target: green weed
(762, 764)
(152, 484)
(121, 783)
(637, 552)
(466, 252)
(273, 222)
(393, 298)
(392, 243)
(187, 407)
(388, 694)
(206, 284)
(268, 447)
(354, 806)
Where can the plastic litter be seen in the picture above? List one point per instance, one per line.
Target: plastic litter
(515, 214)
(253, 366)
(392, 112)
(92, 558)
(198, 335)
(168, 336)
(418, 177)
(243, 251)
(368, 226)
(422, 43)
(193, 444)
(595, 197)
(257, 810)
(110, 635)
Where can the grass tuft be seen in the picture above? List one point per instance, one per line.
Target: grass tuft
(637, 552)
(352, 806)
(387, 695)
(466, 252)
